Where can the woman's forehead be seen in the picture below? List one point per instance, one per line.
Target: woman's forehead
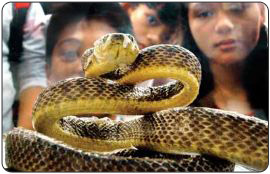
(200, 4)
(224, 5)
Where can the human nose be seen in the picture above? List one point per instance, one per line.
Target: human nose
(153, 38)
(224, 24)
(78, 69)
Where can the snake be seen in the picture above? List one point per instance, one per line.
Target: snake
(73, 134)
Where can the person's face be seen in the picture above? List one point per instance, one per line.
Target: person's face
(226, 32)
(72, 42)
(147, 27)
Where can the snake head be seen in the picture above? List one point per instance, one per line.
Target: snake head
(110, 52)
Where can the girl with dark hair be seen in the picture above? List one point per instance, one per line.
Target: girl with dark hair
(230, 39)
(73, 28)
(155, 22)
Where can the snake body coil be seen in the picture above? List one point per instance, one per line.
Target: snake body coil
(227, 135)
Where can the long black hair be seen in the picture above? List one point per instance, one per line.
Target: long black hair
(255, 76)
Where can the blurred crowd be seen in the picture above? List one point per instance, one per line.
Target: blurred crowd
(43, 43)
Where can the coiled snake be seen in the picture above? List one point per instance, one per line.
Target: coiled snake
(81, 143)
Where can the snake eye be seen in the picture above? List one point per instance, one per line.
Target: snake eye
(105, 38)
(131, 38)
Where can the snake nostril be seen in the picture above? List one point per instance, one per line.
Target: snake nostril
(117, 37)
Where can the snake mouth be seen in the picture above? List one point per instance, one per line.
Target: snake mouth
(117, 53)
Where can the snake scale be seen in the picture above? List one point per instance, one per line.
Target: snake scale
(169, 137)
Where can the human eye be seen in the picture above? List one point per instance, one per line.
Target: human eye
(152, 20)
(68, 50)
(69, 55)
(204, 14)
(202, 10)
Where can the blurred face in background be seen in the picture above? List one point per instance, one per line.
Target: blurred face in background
(226, 32)
(72, 42)
(147, 27)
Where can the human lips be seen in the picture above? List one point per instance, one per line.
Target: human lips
(226, 45)
(141, 45)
